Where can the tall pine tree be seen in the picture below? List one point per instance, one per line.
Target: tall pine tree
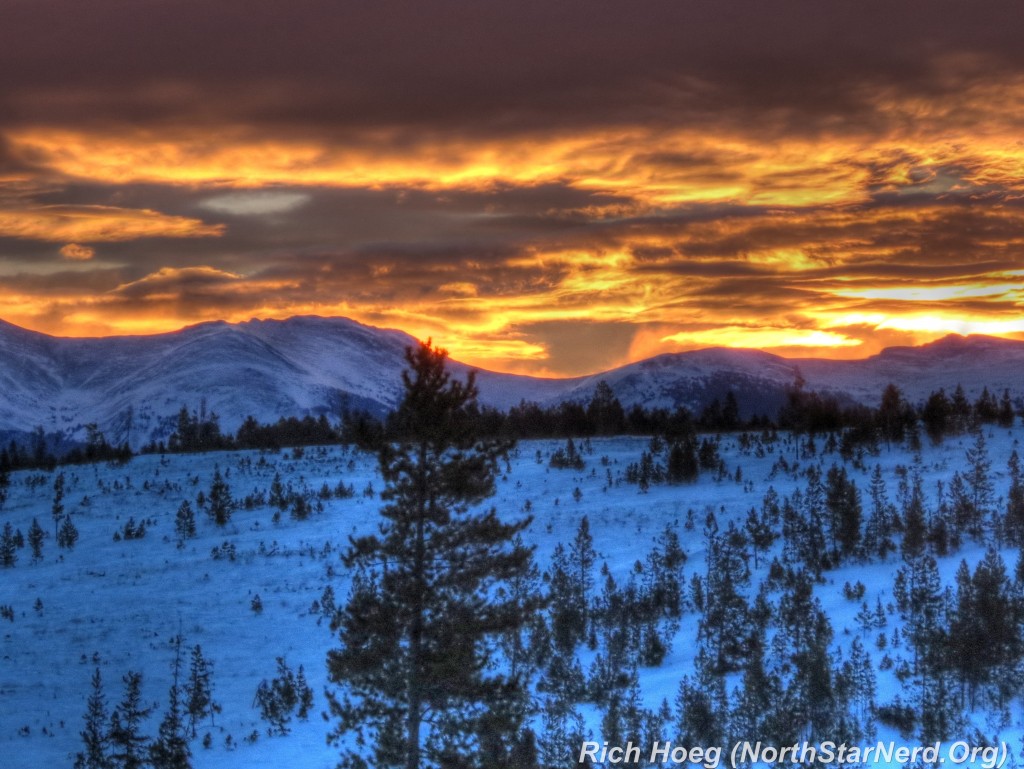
(94, 736)
(424, 619)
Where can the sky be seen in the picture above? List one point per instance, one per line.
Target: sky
(551, 188)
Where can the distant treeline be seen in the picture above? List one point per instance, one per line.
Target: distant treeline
(38, 453)
(894, 420)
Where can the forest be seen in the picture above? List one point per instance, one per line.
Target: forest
(441, 595)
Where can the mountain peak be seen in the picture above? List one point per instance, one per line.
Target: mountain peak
(133, 386)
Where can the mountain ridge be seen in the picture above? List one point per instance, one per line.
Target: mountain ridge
(132, 387)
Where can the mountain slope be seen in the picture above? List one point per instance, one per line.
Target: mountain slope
(133, 387)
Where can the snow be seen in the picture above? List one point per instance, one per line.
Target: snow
(121, 602)
(311, 365)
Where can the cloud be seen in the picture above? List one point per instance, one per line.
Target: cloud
(76, 252)
(177, 280)
(98, 224)
(255, 203)
(554, 187)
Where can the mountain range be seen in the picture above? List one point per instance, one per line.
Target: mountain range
(132, 387)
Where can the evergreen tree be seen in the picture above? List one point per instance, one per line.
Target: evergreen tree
(937, 416)
(583, 556)
(986, 410)
(683, 466)
(185, 522)
(5, 482)
(36, 535)
(914, 520)
(881, 519)
(605, 413)
(843, 503)
(760, 697)
(986, 631)
(277, 699)
(170, 749)
(219, 499)
(305, 693)
(94, 736)
(760, 532)
(894, 415)
(278, 498)
(128, 746)
(1014, 518)
(199, 701)
(979, 482)
(666, 581)
(1006, 412)
(8, 547)
(724, 623)
(960, 411)
(421, 626)
(67, 536)
(924, 605)
(57, 508)
(568, 615)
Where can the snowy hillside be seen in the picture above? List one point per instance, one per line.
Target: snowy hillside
(114, 602)
(759, 379)
(133, 387)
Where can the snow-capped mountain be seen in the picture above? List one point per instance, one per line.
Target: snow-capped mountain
(133, 386)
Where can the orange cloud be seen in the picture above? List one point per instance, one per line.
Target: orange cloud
(77, 253)
(902, 225)
(98, 224)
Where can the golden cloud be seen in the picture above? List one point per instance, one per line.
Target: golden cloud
(98, 224)
(77, 253)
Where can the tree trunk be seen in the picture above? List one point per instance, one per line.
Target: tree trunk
(414, 717)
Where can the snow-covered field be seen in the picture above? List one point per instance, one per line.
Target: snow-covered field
(117, 604)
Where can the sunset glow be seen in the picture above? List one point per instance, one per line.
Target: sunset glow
(530, 204)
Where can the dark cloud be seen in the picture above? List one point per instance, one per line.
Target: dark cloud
(481, 66)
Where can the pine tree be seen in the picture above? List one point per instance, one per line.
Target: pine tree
(724, 623)
(8, 547)
(960, 411)
(843, 504)
(760, 696)
(305, 693)
(170, 750)
(894, 415)
(683, 466)
(568, 615)
(277, 699)
(986, 631)
(128, 746)
(94, 736)
(57, 509)
(5, 482)
(278, 498)
(1014, 519)
(36, 535)
(583, 557)
(1006, 412)
(421, 627)
(881, 519)
(760, 532)
(219, 499)
(185, 522)
(199, 690)
(67, 536)
(979, 482)
(914, 523)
